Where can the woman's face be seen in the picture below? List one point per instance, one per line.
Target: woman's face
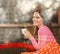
(37, 19)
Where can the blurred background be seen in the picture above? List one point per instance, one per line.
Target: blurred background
(17, 14)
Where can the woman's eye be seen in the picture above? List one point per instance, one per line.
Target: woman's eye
(36, 17)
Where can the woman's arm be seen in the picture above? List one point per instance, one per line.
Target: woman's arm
(41, 42)
(43, 35)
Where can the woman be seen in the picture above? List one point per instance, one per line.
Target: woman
(46, 39)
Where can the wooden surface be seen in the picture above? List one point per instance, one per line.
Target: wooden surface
(16, 25)
(25, 25)
(55, 25)
(59, 16)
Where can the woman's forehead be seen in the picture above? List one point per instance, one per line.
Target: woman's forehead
(36, 14)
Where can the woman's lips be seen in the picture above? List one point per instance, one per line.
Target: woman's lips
(35, 23)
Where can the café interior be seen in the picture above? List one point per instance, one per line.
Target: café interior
(16, 15)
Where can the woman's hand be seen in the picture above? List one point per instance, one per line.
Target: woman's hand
(27, 34)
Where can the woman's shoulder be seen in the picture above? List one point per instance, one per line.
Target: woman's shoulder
(44, 28)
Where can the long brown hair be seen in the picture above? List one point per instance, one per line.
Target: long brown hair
(38, 9)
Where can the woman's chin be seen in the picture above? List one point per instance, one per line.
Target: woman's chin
(35, 24)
